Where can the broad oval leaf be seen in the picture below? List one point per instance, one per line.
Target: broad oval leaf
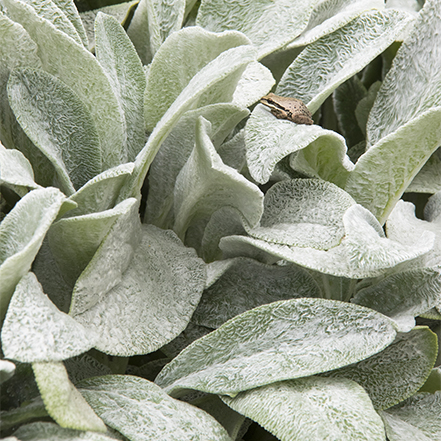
(311, 409)
(58, 123)
(325, 64)
(62, 400)
(303, 213)
(36, 330)
(205, 184)
(283, 340)
(120, 62)
(153, 302)
(74, 65)
(171, 63)
(21, 234)
(269, 25)
(269, 140)
(398, 371)
(140, 410)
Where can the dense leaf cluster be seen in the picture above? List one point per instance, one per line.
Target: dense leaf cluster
(176, 263)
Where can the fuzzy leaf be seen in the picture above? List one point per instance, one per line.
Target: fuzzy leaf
(117, 56)
(74, 65)
(283, 340)
(36, 330)
(140, 410)
(69, 9)
(269, 140)
(154, 300)
(303, 213)
(331, 60)
(398, 371)
(363, 252)
(58, 123)
(248, 284)
(171, 64)
(312, 408)
(206, 184)
(21, 234)
(269, 25)
(414, 419)
(62, 400)
(404, 295)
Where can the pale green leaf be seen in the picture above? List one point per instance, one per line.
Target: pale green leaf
(303, 213)
(364, 106)
(325, 64)
(58, 123)
(403, 225)
(247, 284)
(269, 140)
(206, 184)
(255, 82)
(311, 409)
(75, 240)
(36, 330)
(384, 172)
(398, 371)
(413, 84)
(227, 67)
(16, 171)
(153, 22)
(363, 252)
(21, 234)
(7, 369)
(415, 419)
(170, 71)
(154, 300)
(62, 400)
(142, 411)
(175, 151)
(283, 340)
(330, 15)
(118, 58)
(40, 431)
(77, 68)
(404, 295)
(428, 179)
(269, 25)
(69, 9)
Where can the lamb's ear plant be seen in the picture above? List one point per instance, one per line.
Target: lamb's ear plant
(177, 263)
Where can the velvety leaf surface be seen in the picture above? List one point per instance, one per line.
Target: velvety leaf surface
(269, 25)
(269, 140)
(170, 71)
(16, 171)
(428, 179)
(404, 295)
(62, 400)
(175, 151)
(227, 67)
(153, 22)
(206, 184)
(21, 234)
(312, 408)
(140, 410)
(75, 240)
(398, 371)
(414, 419)
(79, 70)
(303, 213)
(248, 284)
(40, 431)
(330, 15)
(155, 299)
(36, 330)
(363, 252)
(58, 123)
(69, 9)
(279, 341)
(117, 56)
